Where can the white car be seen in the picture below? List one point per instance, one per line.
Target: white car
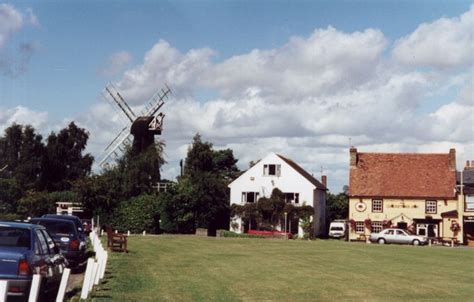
(337, 229)
(397, 236)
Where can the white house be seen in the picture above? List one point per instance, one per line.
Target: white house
(276, 171)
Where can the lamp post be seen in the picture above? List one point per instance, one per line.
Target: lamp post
(286, 234)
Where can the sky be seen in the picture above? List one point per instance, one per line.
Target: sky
(305, 79)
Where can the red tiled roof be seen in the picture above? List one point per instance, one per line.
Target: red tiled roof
(402, 175)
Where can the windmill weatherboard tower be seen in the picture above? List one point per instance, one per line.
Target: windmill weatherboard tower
(143, 127)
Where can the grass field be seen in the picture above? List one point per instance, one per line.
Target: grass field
(188, 268)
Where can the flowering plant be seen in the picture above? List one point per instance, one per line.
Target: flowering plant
(353, 224)
(455, 227)
(386, 224)
(368, 224)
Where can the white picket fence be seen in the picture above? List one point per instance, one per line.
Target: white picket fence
(95, 272)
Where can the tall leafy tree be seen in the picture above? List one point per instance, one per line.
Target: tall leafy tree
(64, 161)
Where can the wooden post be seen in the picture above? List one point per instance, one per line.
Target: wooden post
(35, 286)
(452, 242)
(87, 279)
(429, 242)
(3, 290)
(104, 265)
(95, 268)
(62, 286)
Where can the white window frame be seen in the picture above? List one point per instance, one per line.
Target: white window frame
(377, 226)
(469, 203)
(360, 227)
(244, 196)
(266, 170)
(431, 206)
(377, 206)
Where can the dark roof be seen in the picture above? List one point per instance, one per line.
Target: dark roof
(303, 172)
(468, 177)
(450, 214)
(400, 175)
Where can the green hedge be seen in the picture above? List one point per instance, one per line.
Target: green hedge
(225, 233)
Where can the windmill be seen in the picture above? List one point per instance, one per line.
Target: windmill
(142, 127)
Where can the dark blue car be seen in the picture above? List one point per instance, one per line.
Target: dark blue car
(27, 249)
(67, 237)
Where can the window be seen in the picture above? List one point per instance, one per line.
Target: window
(292, 197)
(431, 206)
(377, 206)
(42, 242)
(401, 233)
(49, 241)
(470, 203)
(360, 227)
(249, 196)
(377, 226)
(271, 170)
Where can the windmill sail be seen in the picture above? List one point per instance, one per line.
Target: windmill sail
(118, 99)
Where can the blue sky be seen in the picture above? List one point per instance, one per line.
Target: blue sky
(73, 42)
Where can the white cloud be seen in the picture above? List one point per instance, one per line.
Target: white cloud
(115, 63)
(11, 20)
(14, 63)
(22, 115)
(309, 99)
(446, 42)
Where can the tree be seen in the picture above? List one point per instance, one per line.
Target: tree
(64, 162)
(22, 151)
(337, 206)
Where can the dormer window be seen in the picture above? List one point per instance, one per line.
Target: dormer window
(271, 170)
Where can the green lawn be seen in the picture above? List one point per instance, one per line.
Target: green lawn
(188, 268)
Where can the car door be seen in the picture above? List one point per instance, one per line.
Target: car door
(46, 268)
(401, 237)
(389, 236)
(57, 260)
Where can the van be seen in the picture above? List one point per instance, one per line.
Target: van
(337, 228)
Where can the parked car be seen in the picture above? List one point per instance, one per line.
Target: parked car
(337, 229)
(397, 236)
(77, 222)
(26, 249)
(66, 236)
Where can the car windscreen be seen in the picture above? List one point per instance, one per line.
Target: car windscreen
(58, 228)
(335, 228)
(14, 237)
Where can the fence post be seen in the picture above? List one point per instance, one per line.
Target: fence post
(62, 286)
(104, 264)
(3, 290)
(95, 268)
(35, 286)
(87, 278)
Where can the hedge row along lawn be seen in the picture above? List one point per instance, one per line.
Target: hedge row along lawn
(188, 268)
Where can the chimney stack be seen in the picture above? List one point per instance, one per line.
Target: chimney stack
(324, 180)
(469, 165)
(452, 159)
(353, 157)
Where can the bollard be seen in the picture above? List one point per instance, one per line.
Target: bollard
(34, 290)
(101, 232)
(144, 233)
(429, 242)
(452, 243)
(128, 233)
(62, 286)
(3, 290)
(87, 279)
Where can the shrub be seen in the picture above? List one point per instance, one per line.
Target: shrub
(137, 214)
(224, 233)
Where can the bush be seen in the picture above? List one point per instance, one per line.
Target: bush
(137, 214)
(224, 233)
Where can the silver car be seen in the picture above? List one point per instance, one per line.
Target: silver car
(397, 236)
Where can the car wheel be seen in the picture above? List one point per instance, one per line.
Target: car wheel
(381, 241)
(416, 242)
